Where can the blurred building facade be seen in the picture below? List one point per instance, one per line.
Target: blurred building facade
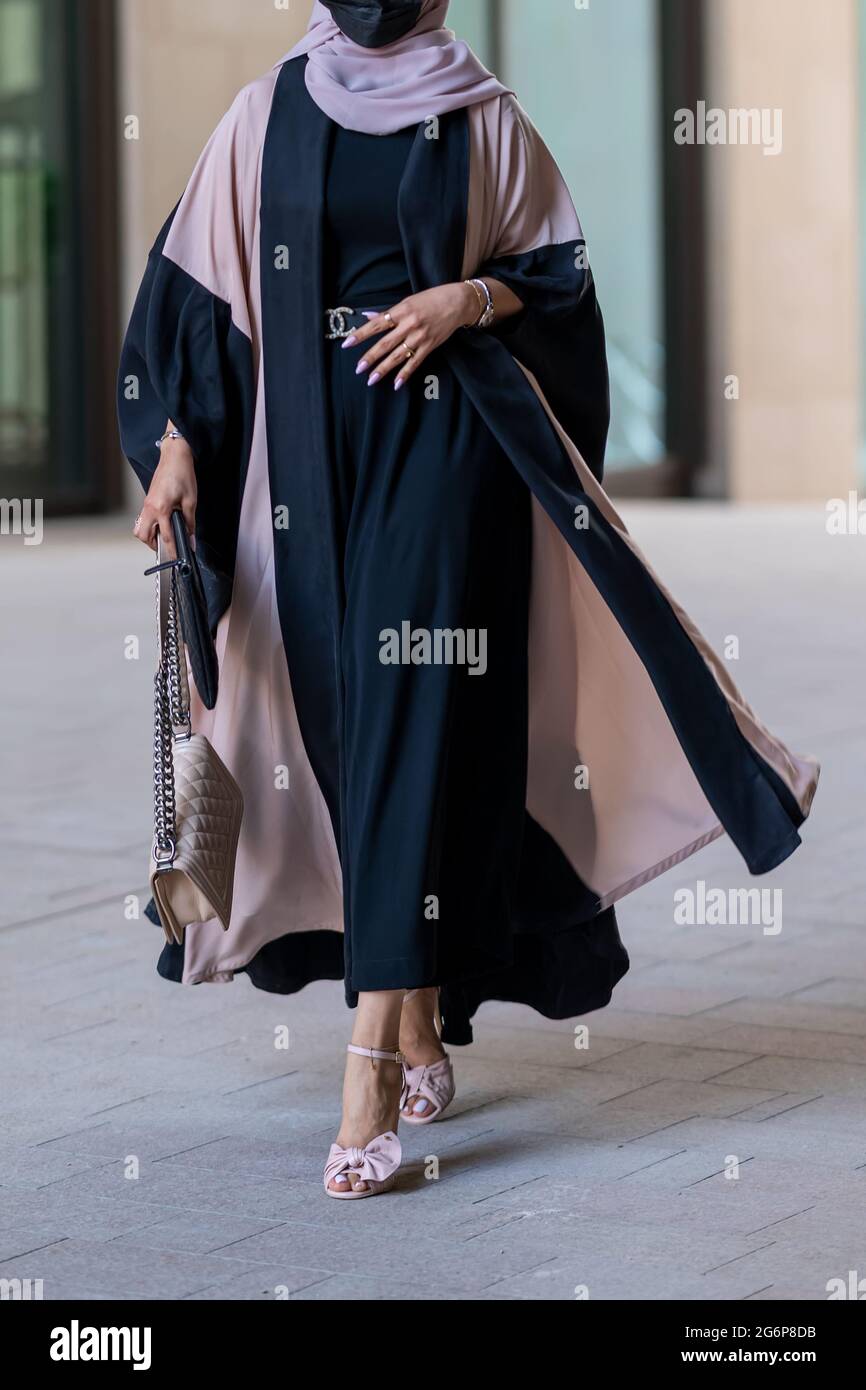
(731, 274)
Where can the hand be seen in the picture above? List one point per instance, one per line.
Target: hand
(174, 488)
(423, 322)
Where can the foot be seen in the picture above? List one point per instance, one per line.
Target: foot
(371, 1106)
(419, 1040)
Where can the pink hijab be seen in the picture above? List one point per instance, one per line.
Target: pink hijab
(381, 90)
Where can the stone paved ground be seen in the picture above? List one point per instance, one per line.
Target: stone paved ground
(154, 1144)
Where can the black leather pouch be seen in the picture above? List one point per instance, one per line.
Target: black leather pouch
(192, 607)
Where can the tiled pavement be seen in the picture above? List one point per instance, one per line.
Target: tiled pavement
(154, 1143)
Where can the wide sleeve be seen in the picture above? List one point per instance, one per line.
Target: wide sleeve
(533, 243)
(188, 351)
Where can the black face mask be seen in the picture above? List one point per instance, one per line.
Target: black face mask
(375, 23)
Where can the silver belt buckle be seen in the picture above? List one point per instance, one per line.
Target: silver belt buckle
(337, 322)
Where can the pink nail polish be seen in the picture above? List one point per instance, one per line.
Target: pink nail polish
(350, 341)
(374, 378)
(361, 367)
(398, 384)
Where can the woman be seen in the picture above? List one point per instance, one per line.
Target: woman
(465, 716)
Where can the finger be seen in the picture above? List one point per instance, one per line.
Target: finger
(396, 361)
(407, 369)
(145, 527)
(167, 535)
(379, 323)
(188, 508)
(410, 333)
(377, 352)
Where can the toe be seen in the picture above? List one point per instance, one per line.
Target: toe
(417, 1106)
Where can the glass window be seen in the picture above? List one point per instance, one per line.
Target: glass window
(472, 20)
(23, 308)
(47, 317)
(863, 225)
(590, 78)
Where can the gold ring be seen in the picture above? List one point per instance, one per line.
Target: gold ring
(388, 316)
(409, 353)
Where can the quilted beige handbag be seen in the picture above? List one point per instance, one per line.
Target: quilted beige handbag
(198, 805)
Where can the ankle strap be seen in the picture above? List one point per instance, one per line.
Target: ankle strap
(378, 1054)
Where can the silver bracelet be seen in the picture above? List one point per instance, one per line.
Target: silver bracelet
(488, 313)
(169, 434)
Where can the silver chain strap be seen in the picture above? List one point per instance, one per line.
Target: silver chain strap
(171, 718)
(177, 689)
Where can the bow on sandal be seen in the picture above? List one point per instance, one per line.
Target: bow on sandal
(376, 1164)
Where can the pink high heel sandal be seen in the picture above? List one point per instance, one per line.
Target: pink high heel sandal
(377, 1163)
(433, 1083)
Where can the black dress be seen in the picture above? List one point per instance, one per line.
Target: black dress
(434, 756)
